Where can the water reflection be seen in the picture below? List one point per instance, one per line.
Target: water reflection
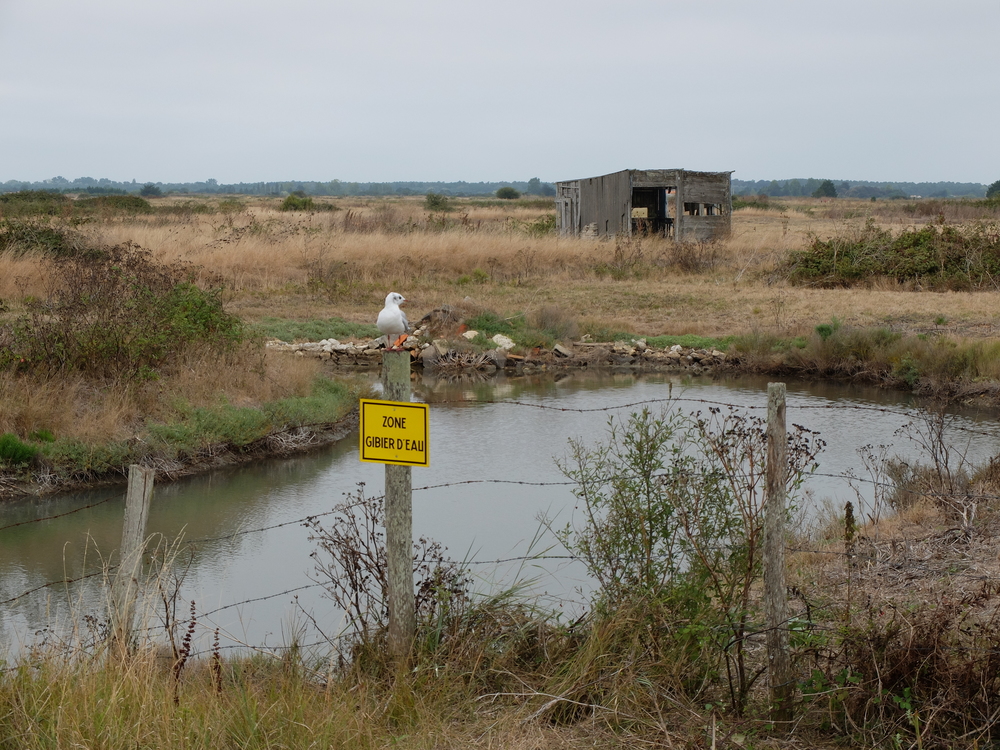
(477, 433)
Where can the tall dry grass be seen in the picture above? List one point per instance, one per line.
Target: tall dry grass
(318, 264)
(74, 407)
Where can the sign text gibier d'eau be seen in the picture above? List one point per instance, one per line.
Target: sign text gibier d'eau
(393, 432)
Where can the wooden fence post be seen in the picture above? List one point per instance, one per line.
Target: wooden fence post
(775, 597)
(399, 522)
(125, 586)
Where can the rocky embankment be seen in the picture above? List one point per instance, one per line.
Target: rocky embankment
(460, 353)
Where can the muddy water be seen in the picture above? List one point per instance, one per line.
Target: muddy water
(477, 433)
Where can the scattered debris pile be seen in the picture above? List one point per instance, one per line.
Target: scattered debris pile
(461, 354)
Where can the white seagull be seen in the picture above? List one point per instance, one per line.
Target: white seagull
(392, 321)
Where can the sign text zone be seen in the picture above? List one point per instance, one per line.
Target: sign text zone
(393, 432)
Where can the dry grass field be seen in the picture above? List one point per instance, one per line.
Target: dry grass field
(498, 255)
(341, 258)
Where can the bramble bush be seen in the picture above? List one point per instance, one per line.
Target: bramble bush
(115, 312)
(938, 257)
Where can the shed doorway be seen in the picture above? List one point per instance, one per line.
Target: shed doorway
(653, 210)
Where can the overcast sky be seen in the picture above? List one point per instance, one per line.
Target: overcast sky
(359, 90)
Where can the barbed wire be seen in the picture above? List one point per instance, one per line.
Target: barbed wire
(57, 583)
(60, 515)
(914, 412)
(848, 477)
(260, 599)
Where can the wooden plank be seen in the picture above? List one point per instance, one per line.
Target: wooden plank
(127, 580)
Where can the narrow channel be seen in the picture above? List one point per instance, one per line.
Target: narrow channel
(493, 473)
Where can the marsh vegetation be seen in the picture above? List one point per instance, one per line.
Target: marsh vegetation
(113, 306)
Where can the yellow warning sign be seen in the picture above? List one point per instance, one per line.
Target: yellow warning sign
(393, 432)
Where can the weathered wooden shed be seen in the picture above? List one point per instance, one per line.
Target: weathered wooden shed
(687, 206)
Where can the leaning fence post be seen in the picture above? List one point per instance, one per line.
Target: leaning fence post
(125, 585)
(399, 522)
(775, 601)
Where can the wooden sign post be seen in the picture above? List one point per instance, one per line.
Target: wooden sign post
(394, 432)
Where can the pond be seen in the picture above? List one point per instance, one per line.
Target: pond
(493, 473)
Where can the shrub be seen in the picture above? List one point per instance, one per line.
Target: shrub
(556, 322)
(115, 312)
(33, 203)
(436, 202)
(20, 236)
(508, 193)
(297, 203)
(351, 564)
(123, 203)
(673, 512)
(149, 190)
(938, 257)
(993, 191)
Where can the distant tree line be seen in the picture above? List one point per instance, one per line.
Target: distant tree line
(858, 188)
(775, 188)
(104, 186)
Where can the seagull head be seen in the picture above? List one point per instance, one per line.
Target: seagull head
(394, 299)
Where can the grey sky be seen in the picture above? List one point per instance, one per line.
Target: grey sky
(241, 90)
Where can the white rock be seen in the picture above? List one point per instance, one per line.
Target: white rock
(676, 348)
(503, 342)
(470, 335)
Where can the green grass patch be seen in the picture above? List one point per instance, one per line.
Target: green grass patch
(315, 330)
(517, 328)
(77, 459)
(238, 426)
(489, 324)
(15, 452)
(192, 430)
(688, 341)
